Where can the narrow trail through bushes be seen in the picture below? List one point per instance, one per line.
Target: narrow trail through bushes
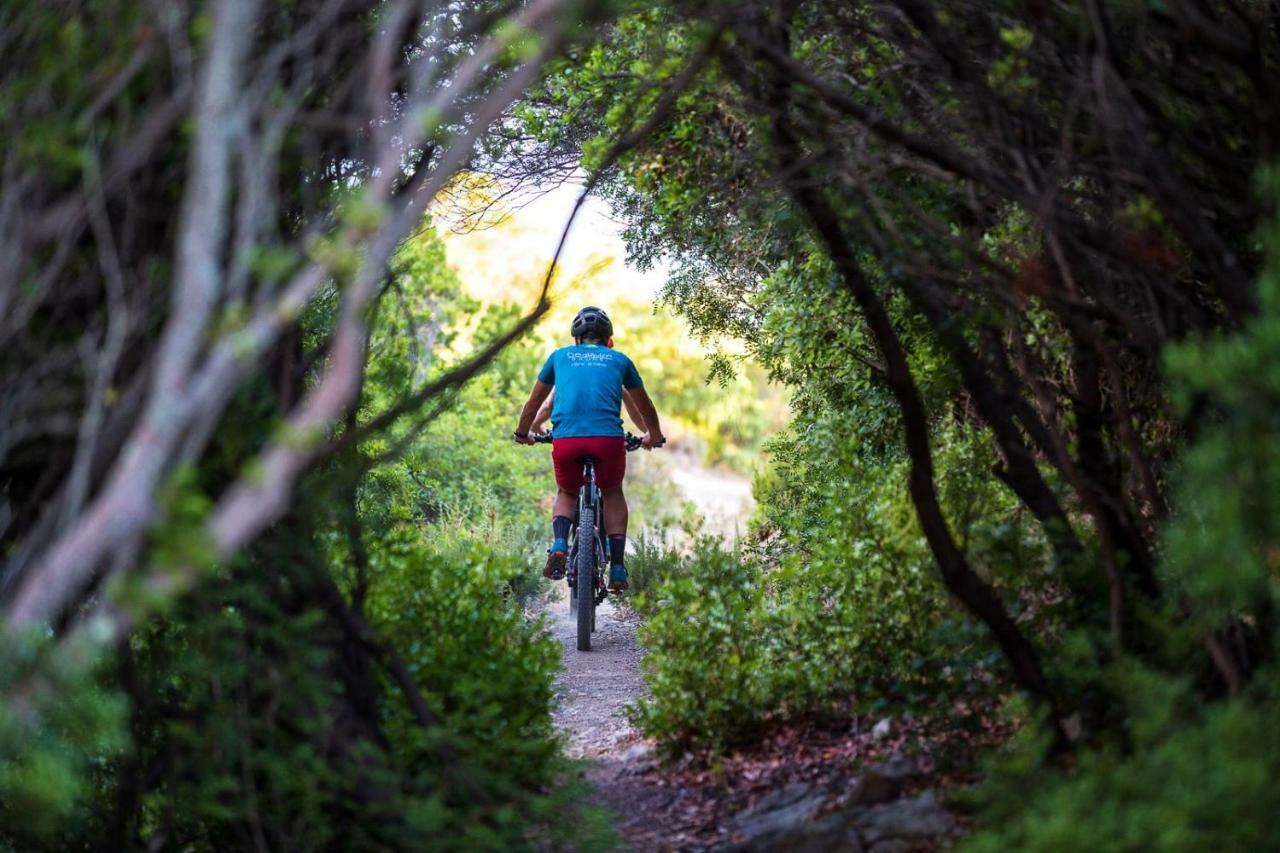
(806, 787)
(594, 688)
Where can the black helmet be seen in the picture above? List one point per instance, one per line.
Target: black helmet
(591, 322)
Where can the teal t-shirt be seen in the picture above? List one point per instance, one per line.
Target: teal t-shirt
(589, 379)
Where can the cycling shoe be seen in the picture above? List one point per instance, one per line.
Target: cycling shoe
(555, 565)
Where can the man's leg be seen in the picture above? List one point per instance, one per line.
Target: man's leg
(566, 503)
(615, 511)
(615, 523)
(565, 461)
(561, 522)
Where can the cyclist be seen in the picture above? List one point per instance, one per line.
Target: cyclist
(590, 378)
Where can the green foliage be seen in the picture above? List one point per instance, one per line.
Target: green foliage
(652, 561)
(256, 713)
(1229, 480)
(488, 672)
(43, 108)
(1193, 771)
(707, 668)
(59, 731)
(241, 704)
(488, 667)
(839, 605)
(235, 698)
(851, 609)
(1192, 781)
(840, 595)
(260, 712)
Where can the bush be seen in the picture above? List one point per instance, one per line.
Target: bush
(839, 605)
(54, 744)
(242, 724)
(708, 672)
(1195, 769)
(489, 674)
(661, 553)
(1191, 782)
(651, 561)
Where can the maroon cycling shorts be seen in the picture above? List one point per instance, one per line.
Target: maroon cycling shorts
(610, 452)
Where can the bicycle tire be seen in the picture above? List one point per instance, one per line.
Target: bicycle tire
(585, 586)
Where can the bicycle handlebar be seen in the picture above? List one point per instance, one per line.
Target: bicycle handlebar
(633, 442)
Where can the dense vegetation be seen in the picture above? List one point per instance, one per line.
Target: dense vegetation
(1008, 259)
(333, 686)
(220, 285)
(265, 554)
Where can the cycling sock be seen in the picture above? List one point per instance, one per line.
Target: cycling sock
(617, 548)
(560, 532)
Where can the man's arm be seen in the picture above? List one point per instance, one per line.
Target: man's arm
(544, 412)
(530, 411)
(653, 436)
(633, 411)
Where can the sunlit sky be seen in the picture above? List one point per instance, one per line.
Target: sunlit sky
(508, 260)
(595, 233)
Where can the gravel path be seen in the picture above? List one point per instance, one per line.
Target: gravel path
(593, 690)
(723, 497)
(594, 687)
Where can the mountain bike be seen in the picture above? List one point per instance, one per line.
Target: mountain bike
(587, 548)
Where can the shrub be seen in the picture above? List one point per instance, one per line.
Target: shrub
(489, 674)
(707, 670)
(1194, 769)
(661, 553)
(651, 560)
(1191, 782)
(55, 741)
(843, 607)
(249, 718)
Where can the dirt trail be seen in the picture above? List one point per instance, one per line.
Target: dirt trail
(598, 685)
(723, 497)
(594, 688)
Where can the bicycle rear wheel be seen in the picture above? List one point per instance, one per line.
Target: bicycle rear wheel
(584, 587)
